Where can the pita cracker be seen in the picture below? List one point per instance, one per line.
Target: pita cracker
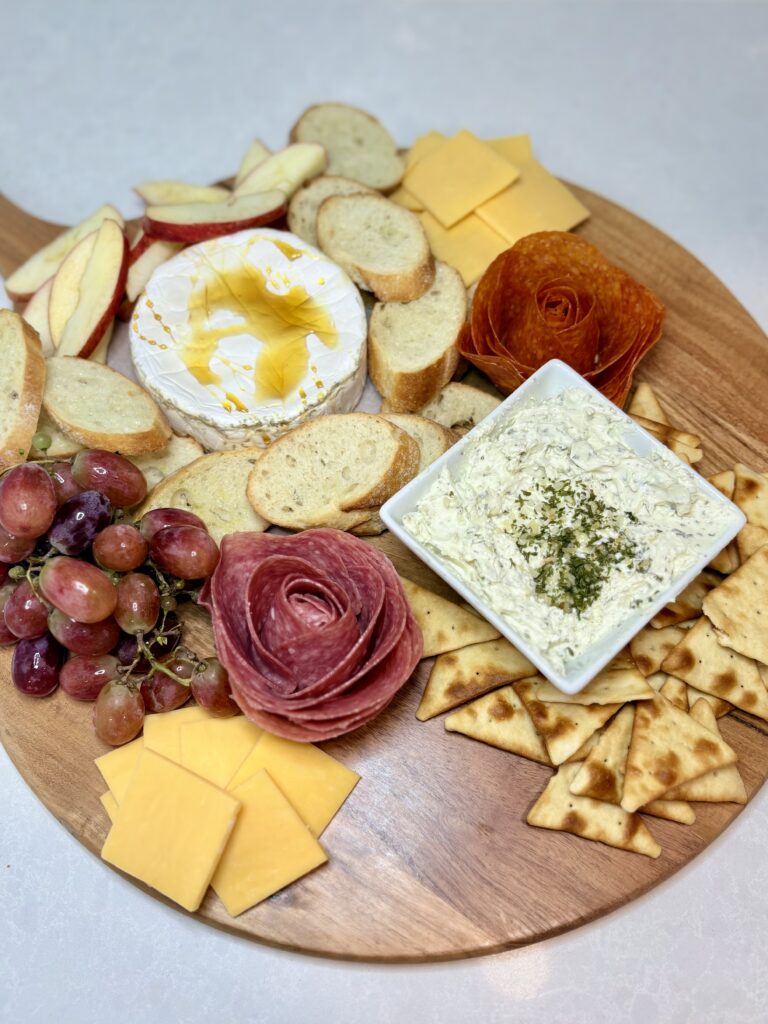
(666, 433)
(671, 810)
(563, 727)
(667, 749)
(458, 676)
(645, 403)
(719, 706)
(601, 775)
(657, 680)
(651, 646)
(738, 608)
(725, 481)
(444, 625)
(559, 809)
(586, 748)
(721, 785)
(614, 685)
(687, 604)
(500, 719)
(751, 538)
(750, 493)
(676, 692)
(701, 661)
(727, 561)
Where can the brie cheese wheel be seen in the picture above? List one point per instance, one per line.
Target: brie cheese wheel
(243, 337)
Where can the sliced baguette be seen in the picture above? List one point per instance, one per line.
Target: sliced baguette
(381, 245)
(358, 145)
(156, 466)
(213, 487)
(100, 408)
(302, 210)
(22, 381)
(332, 471)
(61, 446)
(458, 407)
(412, 346)
(432, 438)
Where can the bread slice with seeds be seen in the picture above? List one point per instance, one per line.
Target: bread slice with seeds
(381, 245)
(22, 380)
(302, 210)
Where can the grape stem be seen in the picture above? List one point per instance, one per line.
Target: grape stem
(158, 666)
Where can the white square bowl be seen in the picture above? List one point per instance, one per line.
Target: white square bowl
(553, 378)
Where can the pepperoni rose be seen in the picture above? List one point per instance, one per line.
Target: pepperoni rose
(553, 295)
(314, 630)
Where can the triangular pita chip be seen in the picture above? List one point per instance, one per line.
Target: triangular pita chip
(586, 748)
(722, 784)
(667, 748)
(563, 727)
(750, 493)
(602, 774)
(719, 706)
(614, 685)
(501, 719)
(671, 810)
(444, 625)
(645, 403)
(701, 661)
(559, 809)
(657, 680)
(458, 676)
(727, 560)
(751, 538)
(651, 646)
(725, 481)
(687, 604)
(738, 608)
(666, 433)
(676, 692)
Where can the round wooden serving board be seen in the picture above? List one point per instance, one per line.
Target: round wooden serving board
(431, 858)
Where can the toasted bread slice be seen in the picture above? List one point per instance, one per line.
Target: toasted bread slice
(332, 471)
(381, 246)
(100, 408)
(179, 452)
(458, 407)
(432, 438)
(22, 381)
(412, 346)
(213, 487)
(358, 146)
(302, 210)
(61, 446)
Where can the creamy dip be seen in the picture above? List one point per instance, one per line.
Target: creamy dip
(559, 526)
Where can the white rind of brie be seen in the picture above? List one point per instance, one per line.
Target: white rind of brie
(159, 331)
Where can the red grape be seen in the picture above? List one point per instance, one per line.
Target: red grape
(63, 482)
(79, 589)
(158, 518)
(83, 676)
(6, 636)
(15, 549)
(112, 475)
(27, 501)
(161, 692)
(210, 688)
(25, 614)
(83, 637)
(138, 603)
(118, 713)
(78, 521)
(3, 573)
(185, 551)
(126, 649)
(120, 547)
(35, 666)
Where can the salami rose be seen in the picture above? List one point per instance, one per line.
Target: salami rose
(314, 630)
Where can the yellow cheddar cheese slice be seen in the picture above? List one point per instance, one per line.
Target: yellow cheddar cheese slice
(110, 805)
(216, 747)
(423, 145)
(315, 783)
(171, 829)
(162, 732)
(403, 197)
(515, 148)
(270, 847)
(118, 765)
(457, 176)
(469, 246)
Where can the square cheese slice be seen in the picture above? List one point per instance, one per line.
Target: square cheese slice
(270, 847)
(117, 766)
(457, 176)
(403, 197)
(171, 830)
(162, 731)
(469, 246)
(515, 148)
(216, 747)
(536, 202)
(110, 805)
(423, 145)
(315, 783)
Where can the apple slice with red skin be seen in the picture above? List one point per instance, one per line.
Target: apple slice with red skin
(36, 315)
(156, 252)
(162, 193)
(256, 154)
(31, 275)
(285, 170)
(87, 290)
(196, 222)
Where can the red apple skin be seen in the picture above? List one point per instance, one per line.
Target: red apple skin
(110, 310)
(139, 247)
(191, 233)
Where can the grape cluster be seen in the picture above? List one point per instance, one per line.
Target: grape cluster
(89, 596)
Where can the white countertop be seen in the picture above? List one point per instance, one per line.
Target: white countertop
(661, 107)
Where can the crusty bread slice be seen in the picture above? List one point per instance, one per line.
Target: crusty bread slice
(22, 381)
(381, 245)
(358, 145)
(413, 346)
(61, 446)
(179, 452)
(213, 487)
(458, 407)
(302, 210)
(333, 471)
(432, 438)
(100, 408)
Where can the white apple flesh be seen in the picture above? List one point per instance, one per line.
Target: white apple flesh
(196, 222)
(36, 315)
(141, 269)
(256, 154)
(161, 193)
(285, 170)
(65, 288)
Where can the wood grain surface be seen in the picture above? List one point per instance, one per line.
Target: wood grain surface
(431, 858)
